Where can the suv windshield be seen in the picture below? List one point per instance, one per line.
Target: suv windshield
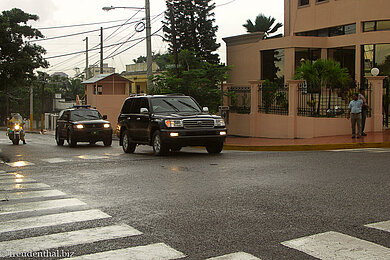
(174, 104)
(84, 114)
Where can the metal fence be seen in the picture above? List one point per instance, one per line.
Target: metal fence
(240, 99)
(273, 98)
(328, 102)
(386, 102)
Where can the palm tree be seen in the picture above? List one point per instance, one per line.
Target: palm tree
(263, 24)
(322, 73)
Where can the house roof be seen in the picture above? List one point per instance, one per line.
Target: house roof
(244, 38)
(100, 77)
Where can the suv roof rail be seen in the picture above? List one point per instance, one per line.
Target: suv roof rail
(175, 94)
(138, 95)
(82, 106)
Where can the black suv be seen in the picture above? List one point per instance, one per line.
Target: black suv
(168, 122)
(82, 124)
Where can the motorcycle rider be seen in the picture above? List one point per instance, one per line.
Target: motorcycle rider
(16, 118)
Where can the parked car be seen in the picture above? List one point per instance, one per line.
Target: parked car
(168, 122)
(82, 124)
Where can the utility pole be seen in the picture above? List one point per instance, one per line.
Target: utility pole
(149, 62)
(86, 58)
(101, 50)
(43, 105)
(31, 107)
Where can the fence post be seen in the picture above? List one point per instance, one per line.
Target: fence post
(376, 83)
(293, 107)
(254, 106)
(225, 89)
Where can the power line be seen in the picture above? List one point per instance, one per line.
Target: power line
(78, 25)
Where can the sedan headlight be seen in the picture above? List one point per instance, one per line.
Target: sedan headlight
(79, 126)
(219, 122)
(106, 125)
(174, 123)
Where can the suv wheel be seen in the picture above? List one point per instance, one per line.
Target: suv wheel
(59, 141)
(214, 148)
(71, 141)
(159, 147)
(127, 145)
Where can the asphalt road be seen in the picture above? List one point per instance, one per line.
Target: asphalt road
(192, 205)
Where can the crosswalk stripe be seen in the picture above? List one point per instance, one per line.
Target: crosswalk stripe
(19, 180)
(52, 220)
(149, 252)
(30, 194)
(10, 176)
(334, 245)
(235, 256)
(384, 225)
(39, 205)
(23, 186)
(65, 239)
(91, 157)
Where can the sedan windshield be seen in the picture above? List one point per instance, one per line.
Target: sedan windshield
(84, 114)
(174, 104)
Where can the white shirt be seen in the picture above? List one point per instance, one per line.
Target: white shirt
(355, 106)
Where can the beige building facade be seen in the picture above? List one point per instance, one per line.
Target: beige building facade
(355, 33)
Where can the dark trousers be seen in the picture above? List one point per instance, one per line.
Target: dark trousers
(356, 119)
(364, 116)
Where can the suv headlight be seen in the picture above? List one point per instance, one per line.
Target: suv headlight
(78, 126)
(219, 122)
(106, 125)
(174, 123)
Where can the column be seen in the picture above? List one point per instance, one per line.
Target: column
(376, 83)
(254, 115)
(293, 107)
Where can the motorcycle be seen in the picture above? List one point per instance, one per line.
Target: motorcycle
(15, 133)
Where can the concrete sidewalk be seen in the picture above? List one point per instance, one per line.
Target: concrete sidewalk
(372, 140)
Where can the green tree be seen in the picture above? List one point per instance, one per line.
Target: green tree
(18, 57)
(162, 60)
(263, 24)
(189, 25)
(322, 73)
(197, 78)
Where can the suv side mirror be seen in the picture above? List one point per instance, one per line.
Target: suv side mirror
(205, 109)
(144, 110)
(104, 117)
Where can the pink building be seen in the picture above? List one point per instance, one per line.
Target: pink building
(107, 93)
(354, 33)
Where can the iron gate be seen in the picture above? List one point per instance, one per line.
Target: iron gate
(386, 102)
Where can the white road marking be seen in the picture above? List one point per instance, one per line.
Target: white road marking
(72, 238)
(17, 180)
(2, 171)
(20, 164)
(22, 186)
(92, 157)
(334, 245)
(52, 220)
(30, 194)
(235, 256)
(384, 225)
(158, 251)
(39, 205)
(56, 160)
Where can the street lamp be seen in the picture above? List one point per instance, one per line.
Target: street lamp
(149, 71)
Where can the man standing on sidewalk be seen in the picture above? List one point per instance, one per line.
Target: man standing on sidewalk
(355, 113)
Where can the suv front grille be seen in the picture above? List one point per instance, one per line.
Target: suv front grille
(200, 123)
(98, 125)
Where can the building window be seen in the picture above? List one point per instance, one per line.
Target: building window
(320, 1)
(376, 55)
(331, 31)
(304, 54)
(272, 65)
(303, 2)
(138, 89)
(345, 56)
(371, 26)
(99, 90)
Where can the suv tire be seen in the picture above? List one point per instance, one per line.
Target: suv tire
(159, 147)
(127, 145)
(59, 141)
(71, 141)
(214, 148)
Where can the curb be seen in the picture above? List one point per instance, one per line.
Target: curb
(306, 147)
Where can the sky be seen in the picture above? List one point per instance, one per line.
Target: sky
(230, 15)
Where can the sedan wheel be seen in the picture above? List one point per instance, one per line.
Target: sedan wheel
(59, 141)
